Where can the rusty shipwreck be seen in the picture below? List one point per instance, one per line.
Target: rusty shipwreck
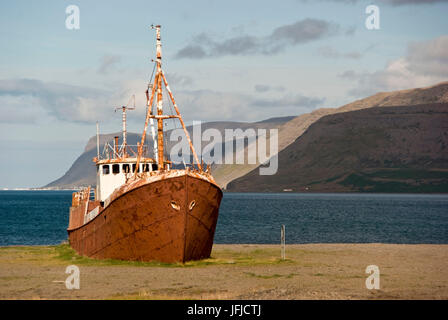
(144, 208)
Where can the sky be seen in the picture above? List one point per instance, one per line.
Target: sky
(224, 60)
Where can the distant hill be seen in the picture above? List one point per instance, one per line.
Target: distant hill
(394, 149)
(294, 128)
(83, 172)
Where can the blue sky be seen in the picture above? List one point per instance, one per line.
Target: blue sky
(225, 60)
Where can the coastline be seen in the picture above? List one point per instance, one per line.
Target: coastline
(234, 271)
(263, 192)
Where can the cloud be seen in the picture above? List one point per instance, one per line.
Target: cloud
(349, 74)
(178, 80)
(212, 105)
(191, 52)
(303, 31)
(425, 63)
(350, 31)
(330, 52)
(209, 105)
(31, 100)
(289, 101)
(62, 101)
(429, 57)
(107, 63)
(18, 109)
(265, 88)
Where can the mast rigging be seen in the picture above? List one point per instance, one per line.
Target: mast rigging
(159, 78)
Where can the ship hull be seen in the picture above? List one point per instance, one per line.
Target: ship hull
(168, 220)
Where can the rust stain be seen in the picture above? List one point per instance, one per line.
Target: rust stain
(140, 222)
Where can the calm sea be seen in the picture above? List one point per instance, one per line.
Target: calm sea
(41, 218)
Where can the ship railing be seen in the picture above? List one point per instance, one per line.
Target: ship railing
(80, 196)
(112, 152)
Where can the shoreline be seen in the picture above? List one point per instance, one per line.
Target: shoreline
(234, 272)
(254, 244)
(266, 192)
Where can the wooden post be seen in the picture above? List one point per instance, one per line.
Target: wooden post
(283, 241)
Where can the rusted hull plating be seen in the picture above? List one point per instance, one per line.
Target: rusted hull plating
(167, 220)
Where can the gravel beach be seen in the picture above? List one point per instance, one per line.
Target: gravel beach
(310, 271)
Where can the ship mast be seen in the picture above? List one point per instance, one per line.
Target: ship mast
(159, 100)
(160, 116)
(123, 119)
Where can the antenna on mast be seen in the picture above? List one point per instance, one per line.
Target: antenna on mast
(124, 108)
(97, 140)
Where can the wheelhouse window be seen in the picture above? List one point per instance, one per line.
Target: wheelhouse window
(145, 167)
(155, 167)
(115, 168)
(126, 168)
(133, 168)
(106, 169)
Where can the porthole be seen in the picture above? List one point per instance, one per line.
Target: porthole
(175, 205)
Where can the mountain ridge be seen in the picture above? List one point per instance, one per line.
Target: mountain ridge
(289, 130)
(294, 128)
(395, 149)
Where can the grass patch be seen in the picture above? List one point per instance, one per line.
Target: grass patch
(403, 174)
(335, 276)
(273, 276)
(67, 254)
(26, 254)
(424, 181)
(63, 254)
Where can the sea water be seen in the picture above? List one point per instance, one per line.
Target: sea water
(41, 218)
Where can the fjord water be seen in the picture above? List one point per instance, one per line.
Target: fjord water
(41, 218)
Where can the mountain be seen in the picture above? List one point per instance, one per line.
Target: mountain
(83, 172)
(294, 128)
(290, 129)
(393, 149)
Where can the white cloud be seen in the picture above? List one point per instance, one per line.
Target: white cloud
(61, 101)
(108, 63)
(26, 100)
(19, 109)
(425, 63)
(429, 57)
